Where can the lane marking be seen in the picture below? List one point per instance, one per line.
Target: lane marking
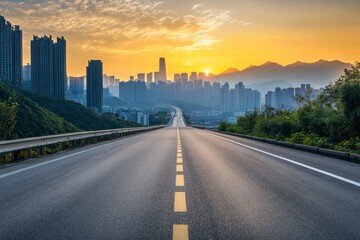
(179, 160)
(292, 161)
(180, 232)
(60, 158)
(179, 168)
(179, 182)
(179, 155)
(180, 202)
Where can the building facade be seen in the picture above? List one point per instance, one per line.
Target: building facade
(10, 53)
(94, 85)
(48, 67)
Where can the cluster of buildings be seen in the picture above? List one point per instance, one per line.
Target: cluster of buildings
(213, 95)
(285, 98)
(47, 77)
(10, 53)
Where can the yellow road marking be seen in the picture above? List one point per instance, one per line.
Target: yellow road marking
(179, 168)
(179, 155)
(179, 160)
(179, 152)
(180, 232)
(180, 202)
(180, 182)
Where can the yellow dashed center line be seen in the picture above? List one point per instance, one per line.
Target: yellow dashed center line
(179, 168)
(180, 232)
(180, 202)
(179, 182)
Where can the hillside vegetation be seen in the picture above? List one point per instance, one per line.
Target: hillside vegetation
(23, 114)
(330, 121)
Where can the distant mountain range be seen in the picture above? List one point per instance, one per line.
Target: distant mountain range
(270, 75)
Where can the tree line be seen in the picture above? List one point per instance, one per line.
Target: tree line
(332, 120)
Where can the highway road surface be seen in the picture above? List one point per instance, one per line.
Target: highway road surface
(181, 183)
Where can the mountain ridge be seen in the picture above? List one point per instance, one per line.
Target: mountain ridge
(318, 74)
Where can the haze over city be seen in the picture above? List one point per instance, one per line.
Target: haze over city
(182, 119)
(129, 36)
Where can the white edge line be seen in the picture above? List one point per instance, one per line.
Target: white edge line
(58, 159)
(292, 161)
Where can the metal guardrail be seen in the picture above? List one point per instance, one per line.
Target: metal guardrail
(14, 146)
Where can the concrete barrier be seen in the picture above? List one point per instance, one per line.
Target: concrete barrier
(306, 148)
(334, 153)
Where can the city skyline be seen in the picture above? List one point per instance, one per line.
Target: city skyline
(194, 36)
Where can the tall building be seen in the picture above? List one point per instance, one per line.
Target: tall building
(26, 72)
(112, 81)
(76, 86)
(193, 76)
(94, 85)
(10, 53)
(184, 77)
(177, 77)
(162, 70)
(48, 67)
(60, 75)
(157, 76)
(149, 78)
(141, 77)
(225, 97)
(105, 80)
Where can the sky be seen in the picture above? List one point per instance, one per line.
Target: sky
(202, 35)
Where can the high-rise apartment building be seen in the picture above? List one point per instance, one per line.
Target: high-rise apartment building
(94, 85)
(193, 76)
(162, 70)
(48, 67)
(157, 76)
(141, 77)
(26, 75)
(60, 75)
(149, 78)
(10, 53)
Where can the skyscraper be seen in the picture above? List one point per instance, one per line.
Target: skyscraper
(157, 76)
(60, 75)
(48, 67)
(162, 70)
(94, 85)
(10, 53)
(193, 76)
(149, 78)
(141, 77)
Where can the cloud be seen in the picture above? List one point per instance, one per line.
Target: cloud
(119, 26)
(196, 6)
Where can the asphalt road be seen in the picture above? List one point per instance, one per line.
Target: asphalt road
(179, 183)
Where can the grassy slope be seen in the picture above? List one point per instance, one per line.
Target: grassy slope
(37, 116)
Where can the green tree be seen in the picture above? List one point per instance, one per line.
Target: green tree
(8, 112)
